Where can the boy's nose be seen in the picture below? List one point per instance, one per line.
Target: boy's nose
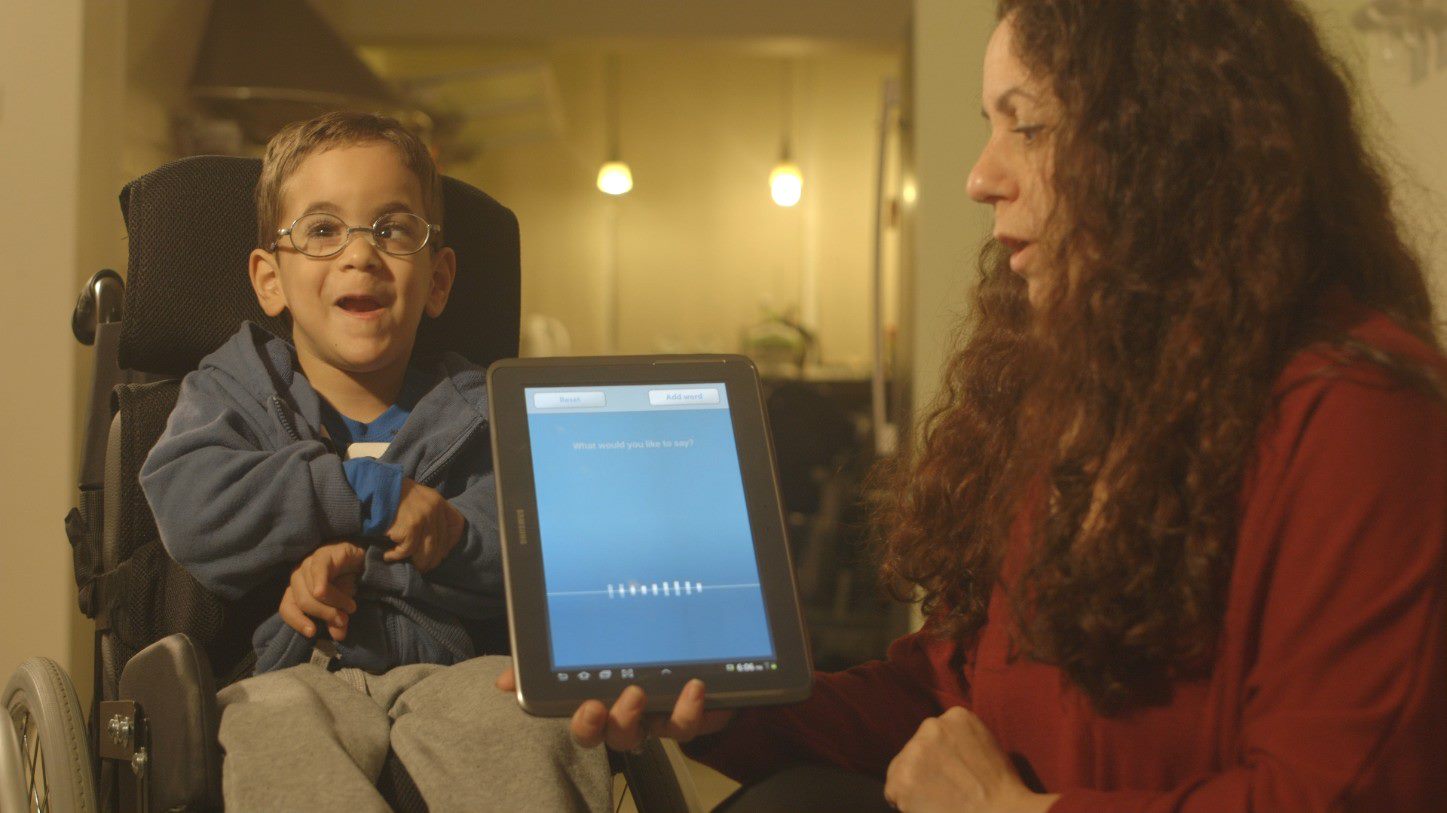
(359, 252)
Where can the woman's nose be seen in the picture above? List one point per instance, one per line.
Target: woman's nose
(988, 182)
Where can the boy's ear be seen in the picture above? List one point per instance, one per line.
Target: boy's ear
(266, 282)
(444, 272)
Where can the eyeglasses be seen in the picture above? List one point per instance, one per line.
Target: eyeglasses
(320, 235)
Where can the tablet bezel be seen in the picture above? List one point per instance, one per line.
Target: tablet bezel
(539, 691)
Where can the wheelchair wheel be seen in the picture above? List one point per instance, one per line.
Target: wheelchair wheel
(49, 733)
(12, 756)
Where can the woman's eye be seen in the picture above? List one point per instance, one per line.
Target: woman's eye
(1029, 131)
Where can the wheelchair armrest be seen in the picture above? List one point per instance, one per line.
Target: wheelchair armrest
(172, 683)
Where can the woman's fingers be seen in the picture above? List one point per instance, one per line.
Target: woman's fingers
(589, 723)
(624, 726)
(687, 715)
(625, 720)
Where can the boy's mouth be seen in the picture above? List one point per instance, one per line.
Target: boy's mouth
(361, 304)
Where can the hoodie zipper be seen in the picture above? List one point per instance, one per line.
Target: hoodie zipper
(425, 477)
(283, 416)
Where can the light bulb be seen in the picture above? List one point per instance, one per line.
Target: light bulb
(615, 178)
(786, 183)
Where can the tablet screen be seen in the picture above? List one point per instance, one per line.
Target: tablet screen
(644, 532)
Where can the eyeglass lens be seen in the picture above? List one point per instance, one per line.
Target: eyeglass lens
(322, 235)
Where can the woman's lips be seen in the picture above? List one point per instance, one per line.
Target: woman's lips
(1021, 252)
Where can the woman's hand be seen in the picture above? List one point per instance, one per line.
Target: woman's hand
(952, 763)
(624, 727)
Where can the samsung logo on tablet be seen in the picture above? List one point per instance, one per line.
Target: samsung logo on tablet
(522, 527)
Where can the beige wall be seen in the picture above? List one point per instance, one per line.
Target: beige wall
(1410, 131)
(949, 45)
(161, 39)
(60, 98)
(1407, 124)
(1413, 122)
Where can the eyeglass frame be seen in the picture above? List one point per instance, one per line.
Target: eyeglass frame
(290, 233)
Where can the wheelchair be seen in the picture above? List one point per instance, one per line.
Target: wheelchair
(163, 645)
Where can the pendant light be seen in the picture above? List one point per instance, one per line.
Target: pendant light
(614, 177)
(786, 182)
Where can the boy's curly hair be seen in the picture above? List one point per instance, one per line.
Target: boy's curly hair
(294, 142)
(1212, 186)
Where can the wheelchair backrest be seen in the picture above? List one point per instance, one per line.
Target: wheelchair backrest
(192, 223)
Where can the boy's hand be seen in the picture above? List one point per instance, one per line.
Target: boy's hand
(324, 587)
(426, 529)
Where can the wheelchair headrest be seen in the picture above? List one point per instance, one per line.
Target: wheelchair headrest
(192, 223)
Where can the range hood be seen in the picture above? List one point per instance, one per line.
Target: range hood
(264, 63)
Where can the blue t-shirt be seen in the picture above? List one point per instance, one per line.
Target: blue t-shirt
(378, 485)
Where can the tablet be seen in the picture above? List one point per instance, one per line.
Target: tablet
(642, 533)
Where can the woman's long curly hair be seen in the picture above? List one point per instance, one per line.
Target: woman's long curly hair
(1211, 184)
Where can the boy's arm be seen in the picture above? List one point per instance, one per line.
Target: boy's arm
(378, 487)
(227, 508)
(468, 581)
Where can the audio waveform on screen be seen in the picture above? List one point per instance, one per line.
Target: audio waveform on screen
(667, 588)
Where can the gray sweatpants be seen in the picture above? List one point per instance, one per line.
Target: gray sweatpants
(304, 738)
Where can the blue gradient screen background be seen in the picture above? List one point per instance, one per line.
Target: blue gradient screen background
(656, 500)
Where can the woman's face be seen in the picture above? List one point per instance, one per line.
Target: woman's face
(1012, 174)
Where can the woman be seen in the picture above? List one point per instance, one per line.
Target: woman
(1179, 521)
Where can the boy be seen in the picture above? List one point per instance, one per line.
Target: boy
(362, 482)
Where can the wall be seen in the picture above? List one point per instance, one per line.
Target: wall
(60, 96)
(161, 38)
(1413, 123)
(1408, 126)
(949, 46)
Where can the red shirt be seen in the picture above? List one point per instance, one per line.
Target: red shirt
(1329, 689)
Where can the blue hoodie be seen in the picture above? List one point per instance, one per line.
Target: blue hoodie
(244, 485)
